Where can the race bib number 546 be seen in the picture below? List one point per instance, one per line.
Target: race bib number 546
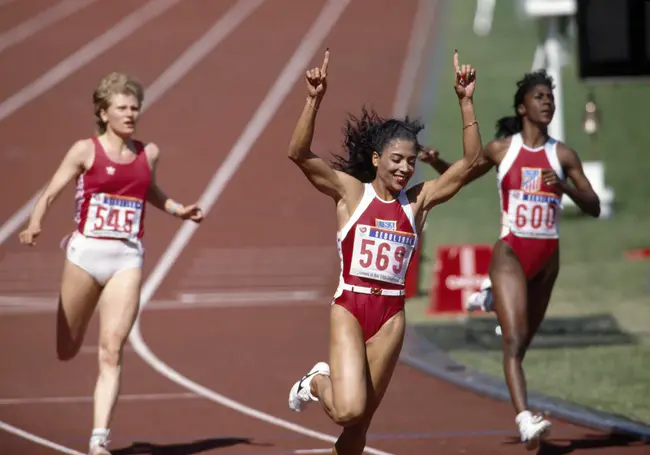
(113, 216)
(381, 254)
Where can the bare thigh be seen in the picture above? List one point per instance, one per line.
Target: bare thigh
(118, 308)
(540, 289)
(347, 365)
(77, 301)
(510, 290)
(382, 352)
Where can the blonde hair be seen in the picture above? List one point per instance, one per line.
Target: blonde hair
(114, 84)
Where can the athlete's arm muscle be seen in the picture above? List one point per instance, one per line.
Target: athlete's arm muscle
(437, 191)
(72, 165)
(582, 192)
(486, 161)
(325, 179)
(159, 199)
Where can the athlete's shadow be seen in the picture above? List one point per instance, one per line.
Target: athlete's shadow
(557, 446)
(188, 448)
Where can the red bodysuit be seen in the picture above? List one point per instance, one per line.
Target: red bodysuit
(530, 210)
(375, 248)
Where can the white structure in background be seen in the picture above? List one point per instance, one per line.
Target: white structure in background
(551, 53)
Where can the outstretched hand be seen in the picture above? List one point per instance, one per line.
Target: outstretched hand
(190, 212)
(465, 81)
(317, 78)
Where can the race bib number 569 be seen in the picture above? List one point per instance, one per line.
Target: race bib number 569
(113, 216)
(381, 254)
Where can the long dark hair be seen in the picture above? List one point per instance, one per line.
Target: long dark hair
(507, 126)
(372, 133)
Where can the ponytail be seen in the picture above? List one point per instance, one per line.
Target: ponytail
(507, 126)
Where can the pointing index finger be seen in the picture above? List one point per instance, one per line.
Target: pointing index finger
(456, 64)
(326, 61)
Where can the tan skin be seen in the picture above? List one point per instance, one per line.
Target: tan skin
(521, 304)
(361, 372)
(80, 294)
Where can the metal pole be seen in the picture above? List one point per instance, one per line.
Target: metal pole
(553, 48)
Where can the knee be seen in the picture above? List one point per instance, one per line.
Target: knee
(514, 344)
(110, 353)
(348, 415)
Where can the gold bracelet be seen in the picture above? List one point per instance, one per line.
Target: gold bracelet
(312, 105)
(471, 124)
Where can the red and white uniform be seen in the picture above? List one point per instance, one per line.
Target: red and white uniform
(111, 196)
(110, 207)
(530, 210)
(375, 248)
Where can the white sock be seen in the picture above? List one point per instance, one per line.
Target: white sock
(99, 437)
(523, 415)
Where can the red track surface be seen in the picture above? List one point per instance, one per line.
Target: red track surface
(268, 231)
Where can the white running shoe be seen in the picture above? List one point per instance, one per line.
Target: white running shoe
(481, 300)
(300, 393)
(532, 429)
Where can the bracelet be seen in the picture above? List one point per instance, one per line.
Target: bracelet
(312, 106)
(172, 209)
(471, 124)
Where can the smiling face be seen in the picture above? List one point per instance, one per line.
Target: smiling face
(122, 114)
(396, 164)
(539, 105)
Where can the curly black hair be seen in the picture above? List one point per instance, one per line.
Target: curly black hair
(368, 134)
(507, 126)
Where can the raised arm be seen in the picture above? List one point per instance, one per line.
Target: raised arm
(434, 192)
(325, 179)
(581, 192)
(72, 165)
(159, 199)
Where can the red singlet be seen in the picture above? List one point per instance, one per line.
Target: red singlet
(530, 210)
(111, 197)
(375, 248)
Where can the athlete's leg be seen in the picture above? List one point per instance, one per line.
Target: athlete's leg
(118, 309)
(382, 352)
(540, 289)
(509, 287)
(77, 301)
(344, 393)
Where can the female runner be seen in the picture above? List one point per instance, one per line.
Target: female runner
(378, 226)
(531, 174)
(115, 177)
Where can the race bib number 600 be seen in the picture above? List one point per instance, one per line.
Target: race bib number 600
(113, 216)
(381, 254)
(533, 214)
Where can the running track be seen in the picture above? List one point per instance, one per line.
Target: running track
(237, 309)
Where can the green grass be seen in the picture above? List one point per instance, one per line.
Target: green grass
(594, 278)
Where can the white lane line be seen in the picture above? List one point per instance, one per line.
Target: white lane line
(37, 439)
(85, 55)
(176, 71)
(326, 20)
(89, 399)
(65, 68)
(221, 29)
(40, 21)
(423, 22)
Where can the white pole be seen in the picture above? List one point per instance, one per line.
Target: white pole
(553, 48)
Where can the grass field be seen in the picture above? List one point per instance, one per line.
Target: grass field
(603, 361)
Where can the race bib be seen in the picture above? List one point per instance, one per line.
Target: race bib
(381, 254)
(112, 216)
(533, 214)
